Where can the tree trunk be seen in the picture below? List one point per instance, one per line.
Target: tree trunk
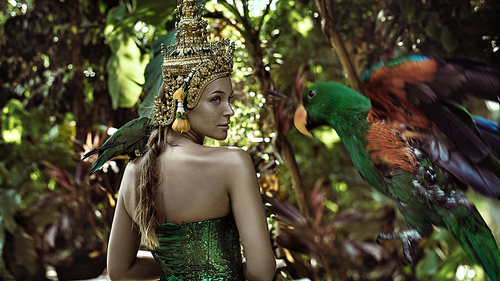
(333, 34)
(286, 152)
(251, 35)
(82, 122)
(282, 144)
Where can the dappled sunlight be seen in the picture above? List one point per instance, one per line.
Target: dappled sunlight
(324, 219)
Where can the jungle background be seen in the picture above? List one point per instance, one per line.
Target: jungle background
(72, 71)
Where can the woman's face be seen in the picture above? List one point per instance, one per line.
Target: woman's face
(210, 117)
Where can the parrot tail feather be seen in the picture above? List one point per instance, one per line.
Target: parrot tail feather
(97, 165)
(487, 255)
(100, 149)
(90, 153)
(104, 156)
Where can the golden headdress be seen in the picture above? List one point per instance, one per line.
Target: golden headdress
(189, 66)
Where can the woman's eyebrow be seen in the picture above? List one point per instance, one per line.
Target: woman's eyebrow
(218, 92)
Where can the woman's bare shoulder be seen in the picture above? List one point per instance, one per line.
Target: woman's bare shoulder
(237, 165)
(231, 155)
(131, 180)
(133, 168)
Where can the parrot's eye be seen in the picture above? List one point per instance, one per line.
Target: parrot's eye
(311, 94)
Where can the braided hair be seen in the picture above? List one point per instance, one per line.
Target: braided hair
(146, 213)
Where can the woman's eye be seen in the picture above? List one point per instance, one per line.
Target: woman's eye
(230, 99)
(216, 100)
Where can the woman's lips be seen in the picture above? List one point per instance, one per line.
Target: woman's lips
(225, 126)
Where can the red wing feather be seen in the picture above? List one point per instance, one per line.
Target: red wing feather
(387, 93)
(424, 95)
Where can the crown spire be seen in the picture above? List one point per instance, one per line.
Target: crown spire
(190, 64)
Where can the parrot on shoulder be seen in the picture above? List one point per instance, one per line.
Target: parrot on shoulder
(413, 140)
(130, 140)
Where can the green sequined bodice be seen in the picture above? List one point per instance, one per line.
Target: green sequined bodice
(207, 250)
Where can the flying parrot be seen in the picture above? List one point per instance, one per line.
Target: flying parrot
(130, 140)
(414, 141)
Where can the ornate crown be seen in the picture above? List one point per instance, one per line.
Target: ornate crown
(189, 66)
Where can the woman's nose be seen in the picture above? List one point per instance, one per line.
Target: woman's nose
(229, 110)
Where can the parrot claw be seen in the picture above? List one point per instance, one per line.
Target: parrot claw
(410, 240)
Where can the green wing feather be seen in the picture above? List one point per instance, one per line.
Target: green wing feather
(130, 140)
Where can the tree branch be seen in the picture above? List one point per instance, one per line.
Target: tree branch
(266, 11)
(232, 9)
(82, 122)
(286, 153)
(263, 77)
(246, 14)
(333, 34)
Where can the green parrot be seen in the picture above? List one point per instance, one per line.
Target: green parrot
(130, 140)
(414, 141)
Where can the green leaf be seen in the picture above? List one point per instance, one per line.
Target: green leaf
(448, 40)
(126, 65)
(154, 12)
(5, 177)
(9, 200)
(448, 270)
(153, 74)
(2, 239)
(5, 274)
(428, 266)
(126, 70)
(113, 20)
(12, 125)
(408, 9)
(25, 252)
(433, 28)
(378, 21)
(153, 69)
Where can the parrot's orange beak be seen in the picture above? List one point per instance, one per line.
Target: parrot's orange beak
(300, 121)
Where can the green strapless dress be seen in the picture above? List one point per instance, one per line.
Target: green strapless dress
(207, 250)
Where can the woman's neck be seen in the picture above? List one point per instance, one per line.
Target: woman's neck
(174, 137)
(194, 137)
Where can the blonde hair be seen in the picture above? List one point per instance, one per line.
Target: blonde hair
(146, 212)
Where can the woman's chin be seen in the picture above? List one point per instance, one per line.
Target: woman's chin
(220, 137)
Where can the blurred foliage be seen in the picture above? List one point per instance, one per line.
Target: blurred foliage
(127, 33)
(51, 209)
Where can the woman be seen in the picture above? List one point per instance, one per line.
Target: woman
(190, 203)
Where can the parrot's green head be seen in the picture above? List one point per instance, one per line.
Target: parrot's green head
(328, 103)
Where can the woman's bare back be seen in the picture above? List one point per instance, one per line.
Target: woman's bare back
(193, 182)
(200, 183)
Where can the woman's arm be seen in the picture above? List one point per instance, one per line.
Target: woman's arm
(123, 262)
(248, 211)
